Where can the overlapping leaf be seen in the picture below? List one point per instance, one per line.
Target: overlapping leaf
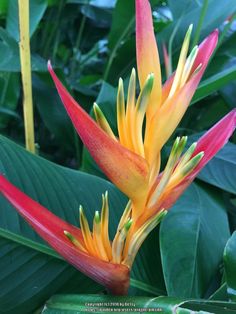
(192, 238)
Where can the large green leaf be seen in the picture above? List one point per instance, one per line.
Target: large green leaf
(9, 86)
(37, 9)
(215, 82)
(230, 266)
(30, 274)
(221, 170)
(61, 190)
(3, 7)
(192, 240)
(229, 94)
(73, 304)
(122, 23)
(9, 55)
(98, 14)
(53, 113)
(220, 294)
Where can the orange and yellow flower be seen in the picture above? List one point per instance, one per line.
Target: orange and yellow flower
(132, 159)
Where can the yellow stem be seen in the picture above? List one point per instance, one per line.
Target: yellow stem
(26, 73)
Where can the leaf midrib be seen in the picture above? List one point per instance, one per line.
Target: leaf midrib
(28, 243)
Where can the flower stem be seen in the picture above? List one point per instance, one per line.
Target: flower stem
(26, 74)
(78, 42)
(200, 23)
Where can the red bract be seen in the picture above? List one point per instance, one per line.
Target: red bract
(210, 143)
(51, 228)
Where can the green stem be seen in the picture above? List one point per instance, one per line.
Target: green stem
(117, 45)
(225, 30)
(55, 46)
(170, 44)
(53, 29)
(25, 60)
(46, 30)
(222, 36)
(78, 42)
(77, 141)
(200, 22)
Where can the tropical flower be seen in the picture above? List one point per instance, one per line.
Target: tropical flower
(67, 240)
(132, 159)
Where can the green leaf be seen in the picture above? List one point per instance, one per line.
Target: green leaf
(221, 170)
(53, 113)
(10, 91)
(214, 83)
(3, 7)
(228, 93)
(123, 22)
(192, 239)
(122, 62)
(220, 294)
(99, 15)
(230, 266)
(188, 12)
(65, 304)
(37, 9)
(9, 55)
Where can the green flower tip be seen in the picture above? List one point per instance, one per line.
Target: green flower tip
(128, 224)
(97, 217)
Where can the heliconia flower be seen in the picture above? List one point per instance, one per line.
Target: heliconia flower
(89, 252)
(162, 108)
(132, 159)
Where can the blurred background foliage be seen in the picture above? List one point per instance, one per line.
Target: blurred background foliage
(91, 43)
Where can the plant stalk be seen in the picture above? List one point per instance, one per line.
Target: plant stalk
(25, 60)
(200, 23)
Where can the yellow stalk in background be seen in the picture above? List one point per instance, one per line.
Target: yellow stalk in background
(26, 73)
